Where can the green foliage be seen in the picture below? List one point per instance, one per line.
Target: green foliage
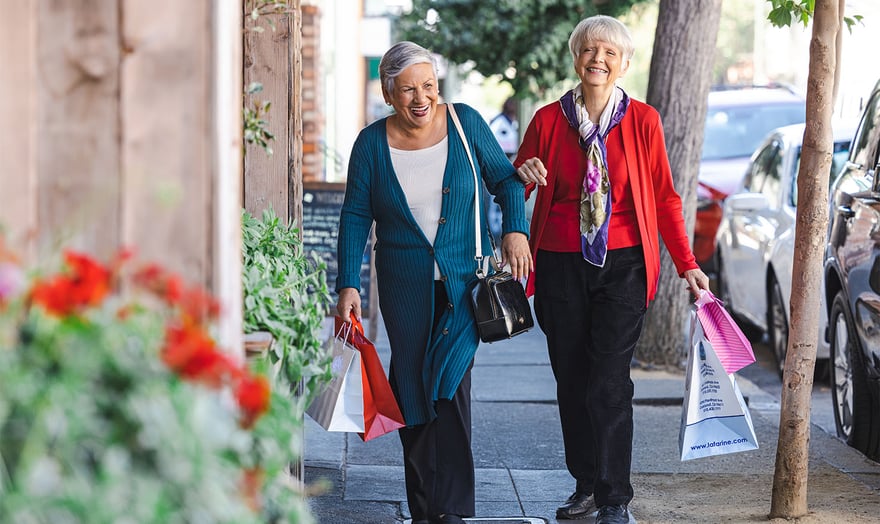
(785, 11)
(851, 21)
(524, 41)
(285, 293)
(95, 427)
(256, 128)
(259, 8)
(736, 37)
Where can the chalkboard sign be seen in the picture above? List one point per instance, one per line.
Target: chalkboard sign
(322, 202)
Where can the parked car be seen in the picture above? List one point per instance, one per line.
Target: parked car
(852, 287)
(736, 122)
(756, 237)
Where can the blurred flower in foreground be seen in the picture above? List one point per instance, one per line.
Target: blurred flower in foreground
(119, 406)
(11, 281)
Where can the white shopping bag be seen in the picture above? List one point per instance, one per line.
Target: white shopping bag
(714, 417)
(340, 405)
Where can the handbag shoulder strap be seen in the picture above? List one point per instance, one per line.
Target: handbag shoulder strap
(478, 255)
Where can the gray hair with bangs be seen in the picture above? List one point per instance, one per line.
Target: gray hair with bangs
(601, 27)
(399, 57)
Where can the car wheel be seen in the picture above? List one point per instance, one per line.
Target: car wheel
(853, 409)
(777, 323)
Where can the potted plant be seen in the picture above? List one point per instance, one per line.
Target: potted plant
(285, 295)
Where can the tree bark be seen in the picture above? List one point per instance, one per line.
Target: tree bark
(789, 498)
(678, 87)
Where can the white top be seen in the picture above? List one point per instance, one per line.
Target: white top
(420, 173)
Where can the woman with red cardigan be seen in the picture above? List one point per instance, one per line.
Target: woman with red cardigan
(604, 197)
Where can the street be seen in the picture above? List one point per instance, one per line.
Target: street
(763, 374)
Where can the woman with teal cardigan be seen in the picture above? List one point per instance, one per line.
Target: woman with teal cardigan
(410, 175)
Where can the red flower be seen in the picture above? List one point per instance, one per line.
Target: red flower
(190, 352)
(155, 279)
(173, 289)
(195, 303)
(253, 393)
(86, 284)
(251, 486)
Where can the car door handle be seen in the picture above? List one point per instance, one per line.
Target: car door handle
(845, 212)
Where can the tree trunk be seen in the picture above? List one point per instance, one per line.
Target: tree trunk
(678, 86)
(792, 452)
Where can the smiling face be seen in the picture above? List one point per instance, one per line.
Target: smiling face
(414, 96)
(599, 64)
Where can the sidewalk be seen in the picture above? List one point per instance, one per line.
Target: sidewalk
(520, 466)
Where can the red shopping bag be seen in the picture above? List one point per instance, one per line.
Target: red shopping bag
(381, 413)
(732, 347)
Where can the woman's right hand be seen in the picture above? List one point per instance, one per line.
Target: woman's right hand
(349, 301)
(532, 171)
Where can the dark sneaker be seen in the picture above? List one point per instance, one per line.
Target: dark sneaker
(578, 506)
(612, 515)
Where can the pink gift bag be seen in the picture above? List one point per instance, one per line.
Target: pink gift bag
(732, 347)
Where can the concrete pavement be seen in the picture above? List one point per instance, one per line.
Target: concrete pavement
(520, 466)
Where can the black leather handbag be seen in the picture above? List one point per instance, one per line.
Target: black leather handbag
(501, 308)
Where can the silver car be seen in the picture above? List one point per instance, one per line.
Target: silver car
(756, 237)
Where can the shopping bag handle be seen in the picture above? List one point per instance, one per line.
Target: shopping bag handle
(356, 325)
(344, 330)
(706, 297)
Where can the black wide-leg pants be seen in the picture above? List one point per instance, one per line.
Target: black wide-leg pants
(593, 319)
(437, 456)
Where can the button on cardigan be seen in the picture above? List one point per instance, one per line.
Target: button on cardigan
(427, 365)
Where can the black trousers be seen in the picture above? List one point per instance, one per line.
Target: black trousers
(593, 319)
(437, 457)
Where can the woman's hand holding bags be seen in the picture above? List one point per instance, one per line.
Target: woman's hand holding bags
(366, 406)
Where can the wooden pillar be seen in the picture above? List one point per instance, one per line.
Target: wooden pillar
(266, 61)
(274, 59)
(295, 172)
(227, 141)
(18, 174)
(165, 144)
(120, 125)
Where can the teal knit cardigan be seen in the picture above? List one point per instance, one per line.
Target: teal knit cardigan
(427, 364)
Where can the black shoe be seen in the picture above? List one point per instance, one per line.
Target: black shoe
(578, 506)
(447, 518)
(612, 515)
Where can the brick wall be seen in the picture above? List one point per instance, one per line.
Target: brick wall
(312, 99)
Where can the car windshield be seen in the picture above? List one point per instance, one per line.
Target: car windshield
(733, 132)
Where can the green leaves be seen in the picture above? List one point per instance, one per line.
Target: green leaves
(524, 41)
(256, 127)
(94, 428)
(784, 11)
(258, 8)
(286, 294)
(852, 21)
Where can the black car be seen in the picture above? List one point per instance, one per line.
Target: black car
(852, 287)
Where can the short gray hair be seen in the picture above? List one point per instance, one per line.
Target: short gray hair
(601, 27)
(399, 57)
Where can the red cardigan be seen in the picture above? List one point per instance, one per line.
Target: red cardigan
(657, 204)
